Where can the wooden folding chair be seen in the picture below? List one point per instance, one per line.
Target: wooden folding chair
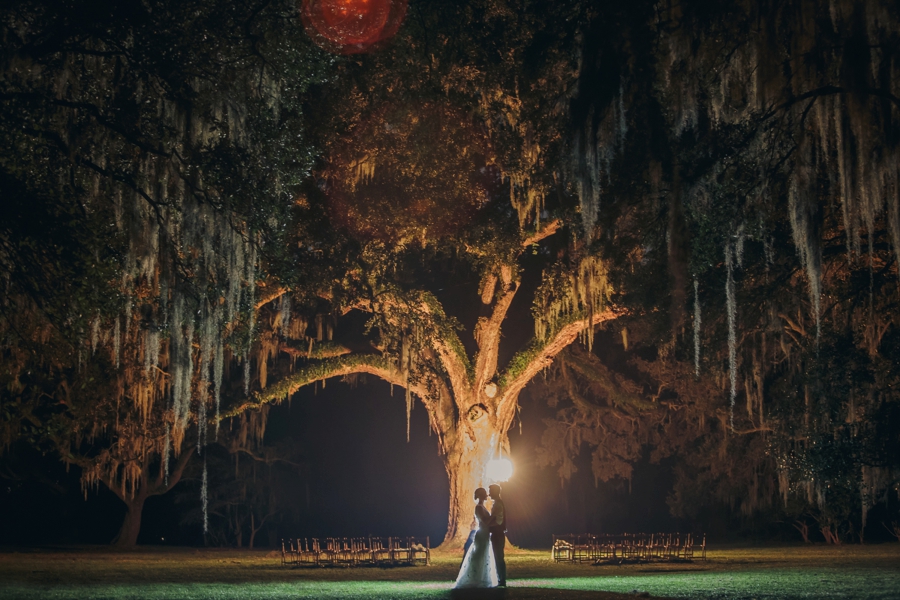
(343, 552)
(362, 551)
(381, 550)
(307, 552)
(563, 548)
(326, 554)
(400, 551)
(287, 552)
(419, 553)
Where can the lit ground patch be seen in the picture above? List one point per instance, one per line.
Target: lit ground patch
(759, 585)
(353, 590)
(851, 572)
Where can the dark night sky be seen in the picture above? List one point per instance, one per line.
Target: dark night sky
(363, 476)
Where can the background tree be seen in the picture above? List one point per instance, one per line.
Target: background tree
(733, 157)
(255, 485)
(151, 151)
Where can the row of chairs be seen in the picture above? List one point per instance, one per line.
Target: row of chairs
(627, 547)
(352, 552)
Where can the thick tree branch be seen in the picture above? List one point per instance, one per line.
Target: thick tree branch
(446, 344)
(539, 355)
(487, 331)
(330, 359)
(372, 364)
(548, 230)
(455, 362)
(175, 472)
(268, 292)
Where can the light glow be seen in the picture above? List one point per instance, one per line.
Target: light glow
(352, 26)
(499, 469)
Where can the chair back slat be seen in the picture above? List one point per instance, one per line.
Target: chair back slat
(625, 547)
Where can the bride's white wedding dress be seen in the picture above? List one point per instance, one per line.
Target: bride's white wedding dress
(478, 568)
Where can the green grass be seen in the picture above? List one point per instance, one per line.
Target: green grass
(853, 572)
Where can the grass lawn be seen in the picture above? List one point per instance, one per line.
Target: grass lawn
(853, 572)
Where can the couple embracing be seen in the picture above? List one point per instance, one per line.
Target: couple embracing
(484, 565)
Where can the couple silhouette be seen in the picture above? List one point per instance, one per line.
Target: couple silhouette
(484, 565)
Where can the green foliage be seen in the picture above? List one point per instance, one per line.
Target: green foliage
(520, 361)
(240, 71)
(140, 142)
(60, 256)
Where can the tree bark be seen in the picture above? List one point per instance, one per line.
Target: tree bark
(481, 437)
(255, 527)
(465, 471)
(238, 529)
(131, 526)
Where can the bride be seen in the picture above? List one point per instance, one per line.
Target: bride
(478, 568)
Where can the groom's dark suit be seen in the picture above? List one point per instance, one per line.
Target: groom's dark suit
(498, 538)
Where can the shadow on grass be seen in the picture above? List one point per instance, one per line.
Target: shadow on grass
(371, 591)
(535, 593)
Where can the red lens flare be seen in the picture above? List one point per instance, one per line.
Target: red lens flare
(352, 26)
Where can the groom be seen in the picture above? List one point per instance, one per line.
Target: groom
(498, 532)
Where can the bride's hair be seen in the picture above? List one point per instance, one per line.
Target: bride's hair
(480, 494)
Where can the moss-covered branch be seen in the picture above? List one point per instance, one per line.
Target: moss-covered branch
(373, 364)
(487, 331)
(540, 353)
(541, 233)
(454, 351)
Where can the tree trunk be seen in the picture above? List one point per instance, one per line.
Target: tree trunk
(131, 525)
(238, 529)
(466, 464)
